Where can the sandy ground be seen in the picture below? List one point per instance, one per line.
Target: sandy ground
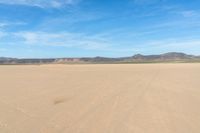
(148, 98)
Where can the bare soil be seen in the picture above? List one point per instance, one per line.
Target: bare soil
(137, 98)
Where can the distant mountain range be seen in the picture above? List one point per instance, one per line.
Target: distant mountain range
(138, 58)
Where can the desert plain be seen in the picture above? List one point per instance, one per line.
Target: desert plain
(100, 98)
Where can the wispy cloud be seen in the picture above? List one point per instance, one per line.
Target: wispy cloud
(3, 50)
(189, 13)
(101, 43)
(146, 2)
(66, 21)
(3, 25)
(40, 3)
(62, 39)
(7, 24)
(189, 46)
(2, 34)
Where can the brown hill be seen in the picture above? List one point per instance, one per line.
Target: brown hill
(138, 58)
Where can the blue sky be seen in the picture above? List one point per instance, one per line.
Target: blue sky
(112, 28)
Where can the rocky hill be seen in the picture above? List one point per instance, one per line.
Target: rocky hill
(138, 58)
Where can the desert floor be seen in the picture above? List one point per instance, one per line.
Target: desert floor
(137, 98)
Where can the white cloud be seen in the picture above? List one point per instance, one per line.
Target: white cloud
(40, 3)
(100, 42)
(189, 13)
(190, 46)
(3, 25)
(2, 34)
(64, 39)
(146, 2)
(6, 24)
(103, 43)
(3, 49)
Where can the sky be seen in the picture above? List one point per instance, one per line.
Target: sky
(89, 28)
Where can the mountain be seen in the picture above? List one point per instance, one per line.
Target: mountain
(138, 58)
(172, 56)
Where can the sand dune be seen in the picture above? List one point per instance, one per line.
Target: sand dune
(143, 98)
